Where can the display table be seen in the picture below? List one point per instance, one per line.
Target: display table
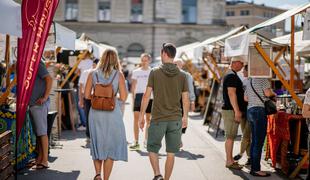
(278, 134)
(26, 141)
(60, 105)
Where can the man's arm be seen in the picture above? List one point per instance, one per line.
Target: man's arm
(185, 101)
(81, 95)
(306, 111)
(144, 104)
(49, 83)
(88, 86)
(192, 96)
(232, 94)
(133, 87)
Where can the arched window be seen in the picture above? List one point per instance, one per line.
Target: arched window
(189, 11)
(135, 50)
(71, 12)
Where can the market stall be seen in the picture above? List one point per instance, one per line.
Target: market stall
(265, 62)
(212, 54)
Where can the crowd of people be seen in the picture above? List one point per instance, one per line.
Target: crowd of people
(162, 97)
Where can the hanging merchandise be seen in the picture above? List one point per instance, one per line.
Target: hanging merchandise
(237, 46)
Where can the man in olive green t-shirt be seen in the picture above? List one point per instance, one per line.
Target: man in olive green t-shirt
(168, 85)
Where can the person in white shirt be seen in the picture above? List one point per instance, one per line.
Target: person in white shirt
(85, 64)
(139, 81)
(85, 103)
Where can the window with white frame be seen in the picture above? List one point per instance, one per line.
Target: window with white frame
(104, 10)
(136, 10)
(189, 11)
(71, 10)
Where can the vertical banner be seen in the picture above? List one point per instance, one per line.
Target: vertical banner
(37, 16)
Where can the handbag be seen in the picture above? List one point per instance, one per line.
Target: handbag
(270, 106)
(103, 97)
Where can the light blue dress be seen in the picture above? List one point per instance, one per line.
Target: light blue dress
(107, 130)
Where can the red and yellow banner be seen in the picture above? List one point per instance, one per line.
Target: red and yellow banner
(37, 16)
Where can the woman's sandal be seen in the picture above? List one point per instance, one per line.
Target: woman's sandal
(259, 175)
(97, 177)
(158, 177)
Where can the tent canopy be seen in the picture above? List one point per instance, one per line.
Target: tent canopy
(222, 37)
(276, 19)
(10, 18)
(300, 45)
(85, 43)
(188, 50)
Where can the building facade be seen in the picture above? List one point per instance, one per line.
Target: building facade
(136, 26)
(249, 14)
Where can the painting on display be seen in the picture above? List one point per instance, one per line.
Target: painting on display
(257, 66)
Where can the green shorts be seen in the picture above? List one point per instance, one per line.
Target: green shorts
(172, 130)
(230, 125)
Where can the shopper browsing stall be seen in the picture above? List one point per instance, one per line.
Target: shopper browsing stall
(257, 89)
(306, 114)
(233, 109)
(245, 127)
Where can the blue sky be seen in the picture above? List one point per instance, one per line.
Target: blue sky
(284, 4)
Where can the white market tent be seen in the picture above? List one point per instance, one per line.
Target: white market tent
(274, 20)
(302, 47)
(186, 52)
(60, 36)
(10, 18)
(99, 48)
(85, 43)
(222, 37)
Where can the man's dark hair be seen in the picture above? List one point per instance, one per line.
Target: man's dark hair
(245, 67)
(169, 49)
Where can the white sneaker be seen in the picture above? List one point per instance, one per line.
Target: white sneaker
(145, 144)
(81, 128)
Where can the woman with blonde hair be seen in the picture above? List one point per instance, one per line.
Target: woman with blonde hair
(107, 130)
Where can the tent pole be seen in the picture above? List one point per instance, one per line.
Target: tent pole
(292, 69)
(212, 71)
(7, 60)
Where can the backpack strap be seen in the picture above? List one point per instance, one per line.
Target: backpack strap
(256, 92)
(97, 77)
(113, 78)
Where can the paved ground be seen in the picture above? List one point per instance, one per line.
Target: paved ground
(202, 158)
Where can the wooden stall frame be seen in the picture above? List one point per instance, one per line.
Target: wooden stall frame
(212, 71)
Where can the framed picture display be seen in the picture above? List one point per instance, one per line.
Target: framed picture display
(257, 66)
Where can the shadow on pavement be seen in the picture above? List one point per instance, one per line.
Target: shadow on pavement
(47, 174)
(196, 117)
(68, 135)
(239, 173)
(220, 137)
(188, 155)
(145, 153)
(52, 159)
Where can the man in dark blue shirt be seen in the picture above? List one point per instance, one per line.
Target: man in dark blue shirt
(38, 106)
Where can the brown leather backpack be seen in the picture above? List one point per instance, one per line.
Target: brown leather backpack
(103, 97)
